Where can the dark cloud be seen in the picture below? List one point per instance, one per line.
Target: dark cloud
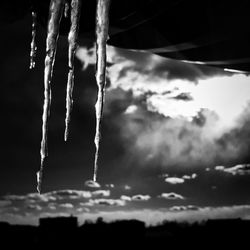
(158, 67)
(155, 140)
(159, 140)
(183, 97)
(238, 138)
(204, 116)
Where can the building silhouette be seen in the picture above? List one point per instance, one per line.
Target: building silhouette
(64, 233)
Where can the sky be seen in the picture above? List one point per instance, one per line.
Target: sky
(175, 137)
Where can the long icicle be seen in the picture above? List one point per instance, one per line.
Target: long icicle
(33, 47)
(102, 23)
(55, 15)
(72, 39)
(66, 9)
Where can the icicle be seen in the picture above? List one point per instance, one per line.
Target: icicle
(66, 9)
(55, 15)
(72, 39)
(33, 47)
(102, 23)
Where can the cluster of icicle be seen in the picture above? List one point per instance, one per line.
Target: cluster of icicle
(56, 10)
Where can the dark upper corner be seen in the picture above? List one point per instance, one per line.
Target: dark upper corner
(212, 32)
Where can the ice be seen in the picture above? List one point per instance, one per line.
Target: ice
(72, 39)
(39, 180)
(102, 24)
(56, 10)
(55, 15)
(66, 9)
(33, 47)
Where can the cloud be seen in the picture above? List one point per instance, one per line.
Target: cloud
(240, 169)
(70, 194)
(51, 215)
(184, 208)
(34, 207)
(153, 67)
(31, 197)
(174, 180)
(190, 177)
(110, 185)
(175, 114)
(86, 56)
(103, 193)
(53, 197)
(126, 198)
(92, 184)
(5, 203)
(141, 197)
(127, 187)
(52, 206)
(156, 140)
(66, 205)
(83, 209)
(107, 202)
(219, 168)
(171, 196)
(183, 97)
(89, 203)
(130, 109)
(13, 197)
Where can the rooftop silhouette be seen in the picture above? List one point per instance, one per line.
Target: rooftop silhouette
(64, 232)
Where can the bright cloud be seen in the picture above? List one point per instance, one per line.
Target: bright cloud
(103, 193)
(34, 206)
(126, 198)
(140, 197)
(108, 202)
(175, 113)
(66, 205)
(92, 184)
(189, 177)
(131, 109)
(174, 180)
(184, 208)
(240, 169)
(171, 196)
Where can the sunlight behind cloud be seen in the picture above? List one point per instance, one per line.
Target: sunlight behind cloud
(227, 96)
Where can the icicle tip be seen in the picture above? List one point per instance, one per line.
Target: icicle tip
(39, 181)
